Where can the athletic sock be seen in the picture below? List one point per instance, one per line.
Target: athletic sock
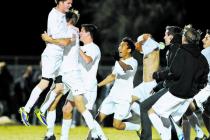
(51, 117)
(33, 98)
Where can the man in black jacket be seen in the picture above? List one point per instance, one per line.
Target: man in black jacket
(187, 75)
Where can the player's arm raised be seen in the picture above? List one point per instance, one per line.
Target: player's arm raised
(107, 80)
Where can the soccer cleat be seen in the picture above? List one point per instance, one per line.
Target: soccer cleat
(40, 116)
(50, 138)
(95, 138)
(203, 138)
(180, 137)
(24, 116)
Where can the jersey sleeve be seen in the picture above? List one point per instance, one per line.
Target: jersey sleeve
(93, 53)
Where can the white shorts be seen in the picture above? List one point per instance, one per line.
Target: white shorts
(120, 109)
(50, 65)
(202, 96)
(169, 104)
(90, 96)
(88, 101)
(142, 91)
(73, 81)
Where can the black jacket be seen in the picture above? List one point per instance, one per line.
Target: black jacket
(188, 72)
(162, 75)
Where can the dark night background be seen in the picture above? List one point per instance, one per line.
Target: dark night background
(24, 21)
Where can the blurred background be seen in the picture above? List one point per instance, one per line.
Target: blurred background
(23, 22)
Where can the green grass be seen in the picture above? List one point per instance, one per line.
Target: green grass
(79, 133)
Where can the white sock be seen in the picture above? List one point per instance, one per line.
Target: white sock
(100, 131)
(158, 124)
(66, 124)
(193, 119)
(136, 108)
(88, 119)
(51, 117)
(90, 123)
(199, 131)
(132, 126)
(47, 104)
(33, 98)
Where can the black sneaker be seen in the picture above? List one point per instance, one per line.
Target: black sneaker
(95, 139)
(50, 138)
(203, 138)
(139, 133)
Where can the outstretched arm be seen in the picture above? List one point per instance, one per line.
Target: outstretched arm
(107, 80)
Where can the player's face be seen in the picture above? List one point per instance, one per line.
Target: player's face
(167, 38)
(138, 46)
(65, 5)
(83, 34)
(206, 41)
(124, 50)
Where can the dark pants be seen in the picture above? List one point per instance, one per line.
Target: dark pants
(146, 133)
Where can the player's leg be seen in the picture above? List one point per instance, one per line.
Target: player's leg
(146, 127)
(67, 120)
(122, 111)
(58, 90)
(42, 85)
(51, 117)
(167, 104)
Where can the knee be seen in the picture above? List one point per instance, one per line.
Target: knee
(43, 84)
(67, 110)
(59, 88)
(116, 125)
(151, 111)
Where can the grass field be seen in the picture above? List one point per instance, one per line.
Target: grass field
(79, 133)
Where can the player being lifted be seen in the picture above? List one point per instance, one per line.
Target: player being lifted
(52, 56)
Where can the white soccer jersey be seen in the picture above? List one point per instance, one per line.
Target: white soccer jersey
(53, 54)
(89, 71)
(71, 52)
(57, 28)
(206, 53)
(123, 85)
(56, 24)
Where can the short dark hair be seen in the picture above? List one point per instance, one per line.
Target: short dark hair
(90, 28)
(57, 1)
(72, 16)
(173, 30)
(130, 43)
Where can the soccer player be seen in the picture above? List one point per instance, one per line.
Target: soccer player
(88, 63)
(203, 95)
(70, 63)
(52, 56)
(119, 99)
(87, 66)
(151, 60)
